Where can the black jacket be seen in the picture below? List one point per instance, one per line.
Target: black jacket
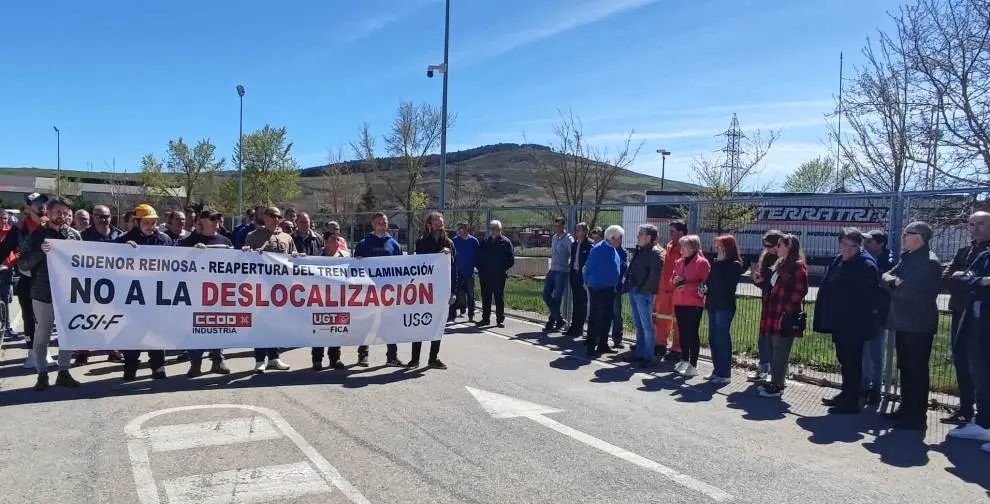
(959, 294)
(913, 305)
(310, 244)
(643, 273)
(495, 257)
(33, 259)
(428, 245)
(582, 257)
(90, 234)
(135, 235)
(722, 282)
(847, 299)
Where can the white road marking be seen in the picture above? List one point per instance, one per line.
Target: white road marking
(263, 484)
(502, 406)
(139, 444)
(203, 434)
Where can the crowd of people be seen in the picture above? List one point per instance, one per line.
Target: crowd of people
(864, 294)
(24, 273)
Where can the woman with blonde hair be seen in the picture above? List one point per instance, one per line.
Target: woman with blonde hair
(783, 314)
(690, 275)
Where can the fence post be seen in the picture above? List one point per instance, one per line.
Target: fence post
(894, 242)
(489, 217)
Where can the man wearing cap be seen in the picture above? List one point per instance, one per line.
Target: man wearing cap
(270, 238)
(100, 231)
(207, 236)
(34, 212)
(33, 259)
(146, 233)
(914, 285)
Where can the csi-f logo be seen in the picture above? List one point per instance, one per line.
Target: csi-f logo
(417, 319)
(331, 319)
(94, 322)
(207, 319)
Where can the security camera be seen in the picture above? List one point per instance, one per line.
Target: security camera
(429, 72)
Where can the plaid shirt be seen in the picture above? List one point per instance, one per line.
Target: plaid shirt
(787, 296)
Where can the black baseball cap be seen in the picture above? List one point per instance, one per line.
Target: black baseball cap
(209, 213)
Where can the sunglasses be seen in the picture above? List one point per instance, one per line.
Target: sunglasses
(101, 217)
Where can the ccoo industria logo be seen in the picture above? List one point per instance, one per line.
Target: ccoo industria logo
(220, 322)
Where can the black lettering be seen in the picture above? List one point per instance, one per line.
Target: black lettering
(74, 321)
(134, 293)
(104, 291)
(182, 294)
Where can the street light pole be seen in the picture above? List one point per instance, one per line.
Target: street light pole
(663, 165)
(240, 157)
(443, 110)
(58, 161)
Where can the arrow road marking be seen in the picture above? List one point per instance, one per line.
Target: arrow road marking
(501, 406)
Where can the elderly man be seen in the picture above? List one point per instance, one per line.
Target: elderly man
(270, 238)
(80, 220)
(495, 257)
(959, 301)
(306, 240)
(101, 231)
(914, 285)
(601, 275)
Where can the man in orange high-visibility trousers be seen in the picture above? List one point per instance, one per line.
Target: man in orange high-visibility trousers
(664, 325)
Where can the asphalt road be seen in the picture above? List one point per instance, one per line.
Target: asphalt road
(590, 432)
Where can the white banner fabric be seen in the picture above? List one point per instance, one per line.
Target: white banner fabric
(115, 297)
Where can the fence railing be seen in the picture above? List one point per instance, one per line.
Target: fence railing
(815, 218)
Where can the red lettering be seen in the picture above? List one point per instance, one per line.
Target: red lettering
(226, 294)
(426, 293)
(386, 299)
(370, 295)
(297, 295)
(245, 291)
(314, 296)
(210, 293)
(280, 295)
(260, 298)
(409, 294)
(355, 292)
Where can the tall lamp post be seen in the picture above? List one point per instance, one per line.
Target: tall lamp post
(58, 161)
(663, 165)
(240, 157)
(442, 68)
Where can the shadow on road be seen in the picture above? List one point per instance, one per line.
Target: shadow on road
(757, 408)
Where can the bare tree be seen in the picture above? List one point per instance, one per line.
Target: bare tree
(947, 43)
(881, 114)
(579, 173)
(721, 180)
(342, 188)
(117, 187)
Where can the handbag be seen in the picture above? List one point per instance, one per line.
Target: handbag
(793, 324)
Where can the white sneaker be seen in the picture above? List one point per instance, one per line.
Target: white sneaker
(718, 380)
(278, 364)
(679, 367)
(29, 360)
(51, 362)
(710, 377)
(971, 431)
(986, 447)
(689, 371)
(259, 366)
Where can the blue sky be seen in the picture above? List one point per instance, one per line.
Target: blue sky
(121, 78)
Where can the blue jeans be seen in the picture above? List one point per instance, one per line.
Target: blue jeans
(873, 362)
(642, 312)
(765, 348)
(553, 292)
(720, 340)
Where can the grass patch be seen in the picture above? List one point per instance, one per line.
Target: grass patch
(814, 351)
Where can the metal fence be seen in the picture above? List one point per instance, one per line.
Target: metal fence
(815, 219)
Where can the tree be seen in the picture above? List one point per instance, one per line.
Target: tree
(67, 187)
(119, 198)
(194, 169)
(815, 176)
(415, 132)
(579, 173)
(155, 181)
(270, 172)
(881, 111)
(947, 44)
(722, 179)
(342, 188)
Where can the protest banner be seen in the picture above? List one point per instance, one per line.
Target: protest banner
(116, 297)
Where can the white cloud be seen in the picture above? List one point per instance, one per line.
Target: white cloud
(708, 132)
(378, 21)
(571, 17)
(716, 110)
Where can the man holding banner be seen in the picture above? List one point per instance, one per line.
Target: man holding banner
(270, 238)
(33, 259)
(207, 237)
(378, 243)
(436, 241)
(145, 233)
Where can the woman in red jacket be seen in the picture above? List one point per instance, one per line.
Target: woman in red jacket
(782, 312)
(690, 274)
